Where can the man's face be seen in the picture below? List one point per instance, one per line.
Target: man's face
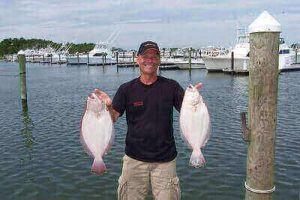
(149, 62)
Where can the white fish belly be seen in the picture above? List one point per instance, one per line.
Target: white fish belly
(195, 125)
(97, 132)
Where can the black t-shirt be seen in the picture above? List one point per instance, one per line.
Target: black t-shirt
(149, 115)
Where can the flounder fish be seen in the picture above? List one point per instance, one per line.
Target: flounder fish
(194, 124)
(97, 132)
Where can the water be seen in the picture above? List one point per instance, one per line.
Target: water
(41, 156)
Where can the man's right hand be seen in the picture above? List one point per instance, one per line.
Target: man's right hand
(108, 102)
(103, 97)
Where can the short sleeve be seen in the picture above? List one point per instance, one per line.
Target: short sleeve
(119, 101)
(178, 96)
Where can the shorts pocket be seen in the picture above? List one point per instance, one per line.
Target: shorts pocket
(122, 189)
(170, 190)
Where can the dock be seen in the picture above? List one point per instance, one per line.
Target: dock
(236, 72)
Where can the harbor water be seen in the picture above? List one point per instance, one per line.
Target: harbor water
(41, 156)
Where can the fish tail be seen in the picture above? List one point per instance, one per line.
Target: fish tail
(197, 159)
(98, 166)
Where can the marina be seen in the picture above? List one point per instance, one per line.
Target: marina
(214, 60)
(236, 135)
(42, 157)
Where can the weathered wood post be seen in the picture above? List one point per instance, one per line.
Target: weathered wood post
(50, 58)
(133, 58)
(102, 59)
(190, 60)
(88, 58)
(123, 58)
(263, 88)
(59, 62)
(296, 55)
(22, 69)
(77, 58)
(232, 62)
(117, 59)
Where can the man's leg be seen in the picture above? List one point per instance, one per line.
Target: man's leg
(164, 181)
(134, 181)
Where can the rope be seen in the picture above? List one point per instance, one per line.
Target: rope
(259, 191)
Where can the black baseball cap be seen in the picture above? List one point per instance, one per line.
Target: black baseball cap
(147, 45)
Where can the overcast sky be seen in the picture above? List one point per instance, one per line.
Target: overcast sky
(172, 23)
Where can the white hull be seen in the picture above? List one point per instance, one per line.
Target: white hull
(74, 60)
(100, 60)
(183, 63)
(286, 61)
(217, 64)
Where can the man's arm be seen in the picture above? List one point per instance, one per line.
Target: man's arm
(107, 100)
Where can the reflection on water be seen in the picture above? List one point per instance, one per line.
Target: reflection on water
(27, 130)
(41, 156)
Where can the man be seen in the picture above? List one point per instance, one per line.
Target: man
(150, 150)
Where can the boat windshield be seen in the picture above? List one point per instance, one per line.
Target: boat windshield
(281, 41)
(284, 51)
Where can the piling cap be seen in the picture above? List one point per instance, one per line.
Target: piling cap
(264, 23)
(21, 52)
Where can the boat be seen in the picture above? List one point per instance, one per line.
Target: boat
(59, 56)
(219, 60)
(180, 58)
(287, 57)
(238, 58)
(100, 55)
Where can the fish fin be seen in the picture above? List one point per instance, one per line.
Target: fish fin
(98, 166)
(197, 159)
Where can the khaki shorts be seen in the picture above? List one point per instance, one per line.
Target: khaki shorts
(137, 175)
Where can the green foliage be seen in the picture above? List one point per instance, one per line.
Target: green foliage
(81, 48)
(13, 45)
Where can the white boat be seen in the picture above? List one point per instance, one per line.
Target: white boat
(96, 56)
(219, 61)
(183, 63)
(241, 59)
(77, 59)
(180, 58)
(287, 56)
(101, 54)
(59, 56)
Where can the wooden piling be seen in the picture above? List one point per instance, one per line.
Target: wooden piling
(232, 62)
(190, 60)
(117, 59)
(263, 89)
(88, 58)
(133, 60)
(22, 70)
(77, 58)
(296, 55)
(123, 58)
